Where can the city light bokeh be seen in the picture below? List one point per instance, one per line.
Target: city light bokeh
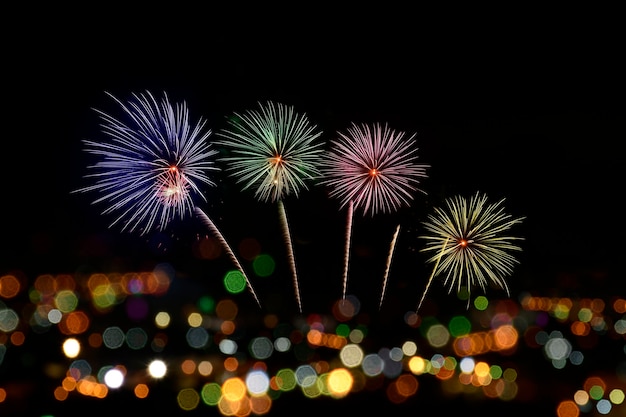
(114, 335)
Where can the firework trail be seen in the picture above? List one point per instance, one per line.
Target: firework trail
(432, 274)
(374, 168)
(213, 228)
(152, 166)
(469, 244)
(388, 265)
(290, 256)
(346, 256)
(273, 149)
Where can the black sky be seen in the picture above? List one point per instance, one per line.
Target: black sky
(527, 111)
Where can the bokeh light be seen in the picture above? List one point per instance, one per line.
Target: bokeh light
(226, 363)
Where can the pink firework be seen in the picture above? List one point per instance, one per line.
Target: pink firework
(373, 168)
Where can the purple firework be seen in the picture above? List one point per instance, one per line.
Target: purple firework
(373, 168)
(151, 166)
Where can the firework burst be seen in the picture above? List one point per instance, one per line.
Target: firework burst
(152, 166)
(373, 168)
(274, 151)
(469, 244)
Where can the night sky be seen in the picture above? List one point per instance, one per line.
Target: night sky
(529, 111)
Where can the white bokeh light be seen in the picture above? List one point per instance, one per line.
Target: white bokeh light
(114, 378)
(157, 368)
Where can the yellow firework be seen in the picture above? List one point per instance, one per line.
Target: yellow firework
(469, 243)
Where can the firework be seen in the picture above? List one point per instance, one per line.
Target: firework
(152, 166)
(373, 168)
(274, 151)
(468, 244)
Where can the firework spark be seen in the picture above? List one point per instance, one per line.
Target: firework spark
(151, 167)
(373, 168)
(273, 150)
(469, 245)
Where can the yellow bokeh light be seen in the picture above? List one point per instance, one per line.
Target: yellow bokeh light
(339, 382)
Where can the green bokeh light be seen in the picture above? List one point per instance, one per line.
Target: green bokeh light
(459, 326)
(211, 393)
(463, 294)
(342, 330)
(206, 304)
(263, 265)
(596, 392)
(286, 379)
(495, 371)
(234, 282)
(481, 303)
